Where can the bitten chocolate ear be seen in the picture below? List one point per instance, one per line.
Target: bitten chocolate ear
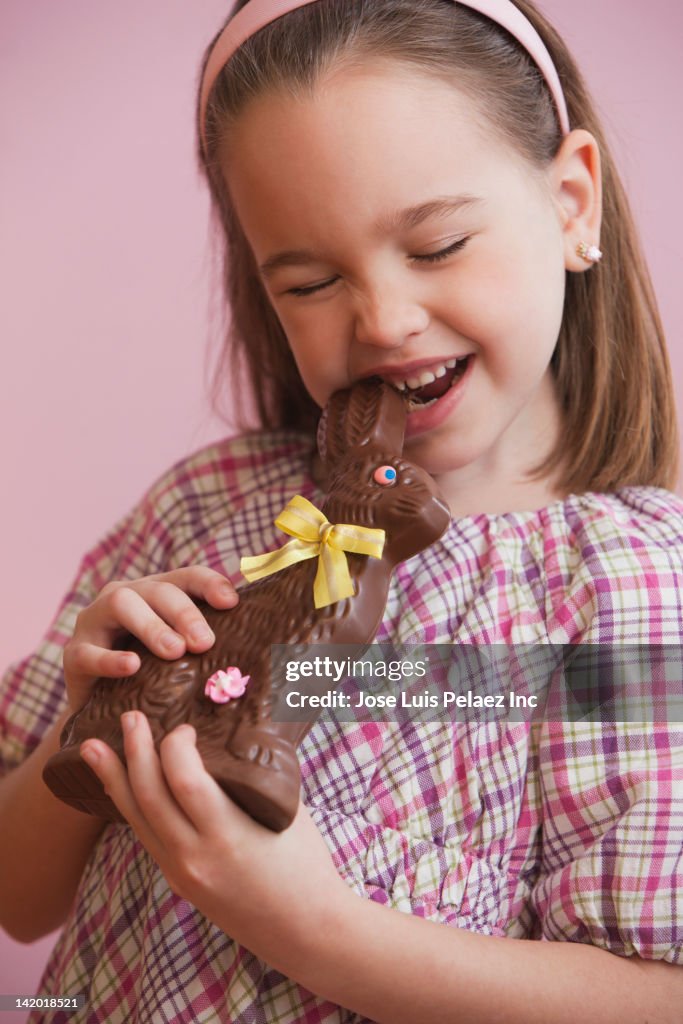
(372, 412)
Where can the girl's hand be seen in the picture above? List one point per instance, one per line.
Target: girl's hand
(157, 610)
(271, 892)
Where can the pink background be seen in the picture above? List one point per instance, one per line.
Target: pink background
(106, 316)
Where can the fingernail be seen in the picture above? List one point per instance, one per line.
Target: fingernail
(189, 729)
(169, 641)
(129, 721)
(200, 633)
(90, 754)
(129, 663)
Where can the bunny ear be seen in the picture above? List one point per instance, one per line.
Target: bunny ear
(370, 412)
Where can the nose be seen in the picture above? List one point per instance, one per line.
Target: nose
(388, 315)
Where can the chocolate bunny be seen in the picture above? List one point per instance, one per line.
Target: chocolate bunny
(251, 756)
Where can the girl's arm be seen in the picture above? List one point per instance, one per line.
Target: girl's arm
(397, 969)
(45, 846)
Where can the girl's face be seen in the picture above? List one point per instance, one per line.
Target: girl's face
(395, 234)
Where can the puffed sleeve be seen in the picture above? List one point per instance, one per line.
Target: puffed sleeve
(32, 693)
(611, 798)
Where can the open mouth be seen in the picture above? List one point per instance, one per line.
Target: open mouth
(425, 395)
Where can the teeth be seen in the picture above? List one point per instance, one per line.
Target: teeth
(423, 378)
(427, 376)
(420, 405)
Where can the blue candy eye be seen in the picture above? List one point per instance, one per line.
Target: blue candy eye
(384, 475)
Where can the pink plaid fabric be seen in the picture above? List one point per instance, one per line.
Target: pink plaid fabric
(566, 831)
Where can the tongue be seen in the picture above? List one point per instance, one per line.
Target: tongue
(436, 389)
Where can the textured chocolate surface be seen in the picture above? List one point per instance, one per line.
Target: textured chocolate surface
(251, 757)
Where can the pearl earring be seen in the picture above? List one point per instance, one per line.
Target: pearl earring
(589, 253)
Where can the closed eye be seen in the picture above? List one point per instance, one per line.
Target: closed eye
(432, 257)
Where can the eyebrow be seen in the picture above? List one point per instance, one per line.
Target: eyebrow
(398, 220)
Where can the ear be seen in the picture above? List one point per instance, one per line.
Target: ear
(576, 182)
(370, 412)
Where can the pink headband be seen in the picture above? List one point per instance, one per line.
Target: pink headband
(258, 13)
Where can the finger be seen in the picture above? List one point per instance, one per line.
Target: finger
(209, 809)
(160, 611)
(127, 608)
(162, 814)
(112, 773)
(220, 592)
(170, 597)
(175, 608)
(203, 582)
(85, 661)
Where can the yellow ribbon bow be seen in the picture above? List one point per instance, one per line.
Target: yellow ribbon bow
(315, 537)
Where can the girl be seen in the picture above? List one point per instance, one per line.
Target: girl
(400, 184)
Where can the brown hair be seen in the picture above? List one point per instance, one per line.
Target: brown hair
(610, 364)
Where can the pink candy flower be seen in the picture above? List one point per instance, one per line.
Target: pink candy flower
(225, 685)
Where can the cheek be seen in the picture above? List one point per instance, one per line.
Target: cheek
(513, 287)
(320, 359)
(509, 309)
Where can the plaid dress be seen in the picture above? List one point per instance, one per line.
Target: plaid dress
(563, 832)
